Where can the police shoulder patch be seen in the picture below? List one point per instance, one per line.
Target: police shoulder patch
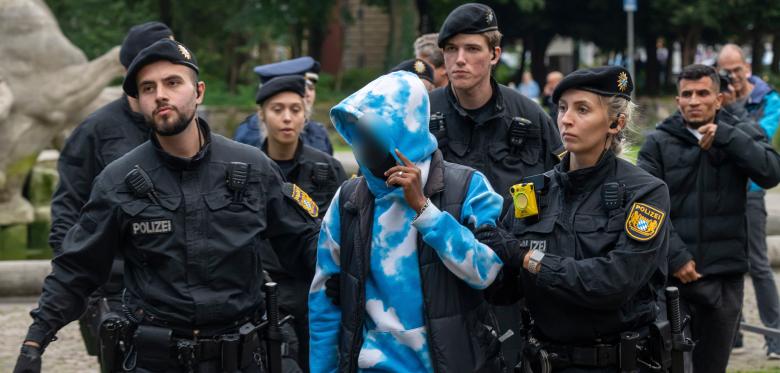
(300, 197)
(644, 221)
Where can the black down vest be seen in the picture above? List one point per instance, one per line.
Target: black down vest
(462, 330)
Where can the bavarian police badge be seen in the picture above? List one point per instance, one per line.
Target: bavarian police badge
(644, 221)
(300, 197)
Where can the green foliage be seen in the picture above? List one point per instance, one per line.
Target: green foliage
(95, 26)
(354, 79)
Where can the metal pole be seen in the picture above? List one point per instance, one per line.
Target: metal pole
(630, 37)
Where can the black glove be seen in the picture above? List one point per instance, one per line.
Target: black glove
(29, 360)
(503, 244)
(332, 288)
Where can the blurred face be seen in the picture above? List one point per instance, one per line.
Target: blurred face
(698, 101)
(583, 122)
(168, 96)
(468, 60)
(283, 114)
(738, 70)
(311, 93)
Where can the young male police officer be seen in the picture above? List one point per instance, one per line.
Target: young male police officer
(485, 125)
(107, 134)
(187, 209)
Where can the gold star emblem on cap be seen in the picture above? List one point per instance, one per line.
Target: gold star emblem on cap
(419, 67)
(184, 52)
(622, 81)
(489, 17)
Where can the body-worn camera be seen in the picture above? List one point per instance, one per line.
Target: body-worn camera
(524, 198)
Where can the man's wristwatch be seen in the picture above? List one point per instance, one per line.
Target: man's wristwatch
(535, 261)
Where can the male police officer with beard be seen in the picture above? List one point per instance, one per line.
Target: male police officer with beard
(187, 209)
(107, 134)
(485, 125)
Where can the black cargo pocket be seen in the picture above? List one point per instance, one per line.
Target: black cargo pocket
(537, 235)
(154, 348)
(151, 227)
(230, 220)
(598, 233)
(234, 232)
(459, 148)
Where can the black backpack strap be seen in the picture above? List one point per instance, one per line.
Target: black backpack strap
(347, 209)
(457, 179)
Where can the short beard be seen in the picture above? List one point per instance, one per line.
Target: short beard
(178, 127)
(696, 125)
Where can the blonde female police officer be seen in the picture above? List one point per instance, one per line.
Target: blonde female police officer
(591, 262)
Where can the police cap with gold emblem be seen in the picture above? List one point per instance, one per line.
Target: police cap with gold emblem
(603, 81)
(163, 49)
(289, 83)
(416, 66)
(470, 18)
(140, 37)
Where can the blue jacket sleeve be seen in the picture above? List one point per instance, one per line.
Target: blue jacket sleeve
(461, 253)
(324, 316)
(771, 118)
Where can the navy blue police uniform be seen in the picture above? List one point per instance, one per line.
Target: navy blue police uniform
(190, 230)
(509, 138)
(104, 136)
(599, 248)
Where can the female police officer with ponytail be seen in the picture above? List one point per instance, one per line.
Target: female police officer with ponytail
(590, 238)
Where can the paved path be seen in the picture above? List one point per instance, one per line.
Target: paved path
(67, 354)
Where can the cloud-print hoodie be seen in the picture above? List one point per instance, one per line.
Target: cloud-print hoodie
(395, 109)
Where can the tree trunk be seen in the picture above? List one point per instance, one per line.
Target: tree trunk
(690, 42)
(775, 68)
(317, 34)
(296, 40)
(652, 82)
(229, 53)
(538, 46)
(521, 65)
(403, 27)
(426, 18)
(757, 54)
(166, 13)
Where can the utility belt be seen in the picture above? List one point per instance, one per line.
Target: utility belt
(658, 348)
(629, 354)
(127, 343)
(157, 348)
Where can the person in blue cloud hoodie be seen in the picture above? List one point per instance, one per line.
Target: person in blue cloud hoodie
(409, 270)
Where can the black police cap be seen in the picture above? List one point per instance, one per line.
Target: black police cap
(287, 83)
(471, 18)
(416, 66)
(163, 49)
(140, 37)
(603, 81)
